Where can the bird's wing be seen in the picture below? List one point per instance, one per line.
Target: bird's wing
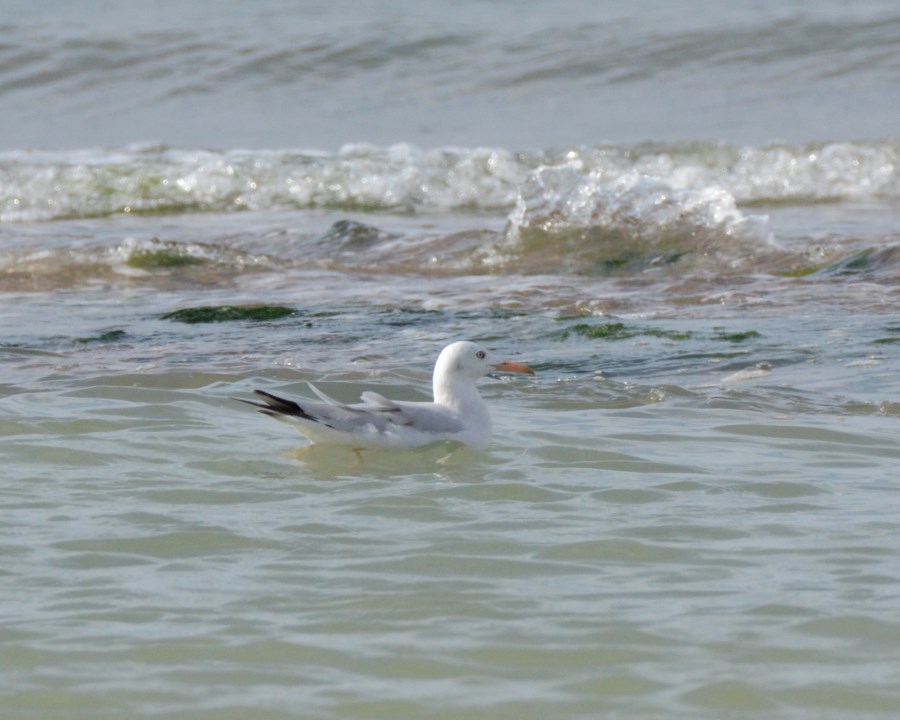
(376, 416)
(377, 410)
(327, 398)
(427, 417)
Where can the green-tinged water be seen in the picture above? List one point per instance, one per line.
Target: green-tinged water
(682, 214)
(678, 518)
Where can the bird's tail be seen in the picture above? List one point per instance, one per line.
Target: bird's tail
(273, 406)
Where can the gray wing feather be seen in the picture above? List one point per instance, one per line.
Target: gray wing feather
(377, 411)
(428, 417)
(327, 398)
(379, 401)
(425, 416)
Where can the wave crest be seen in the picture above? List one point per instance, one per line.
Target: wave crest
(627, 221)
(38, 186)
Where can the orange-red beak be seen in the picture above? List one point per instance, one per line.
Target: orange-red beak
(514, 367)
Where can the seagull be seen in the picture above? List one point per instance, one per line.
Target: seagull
(457, 414)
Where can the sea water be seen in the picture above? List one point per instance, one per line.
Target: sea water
(683, 215)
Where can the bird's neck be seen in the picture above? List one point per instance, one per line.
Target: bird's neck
(459, 394)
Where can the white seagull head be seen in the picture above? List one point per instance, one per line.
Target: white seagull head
(471, 361)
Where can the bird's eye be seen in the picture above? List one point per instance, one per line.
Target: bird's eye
(480, 354)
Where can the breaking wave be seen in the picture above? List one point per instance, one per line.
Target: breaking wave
(41, 186)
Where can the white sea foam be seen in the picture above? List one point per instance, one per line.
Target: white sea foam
(651, 211)
(403, 178)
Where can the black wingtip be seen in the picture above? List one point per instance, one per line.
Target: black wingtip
(273, 406)
(264, 409)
